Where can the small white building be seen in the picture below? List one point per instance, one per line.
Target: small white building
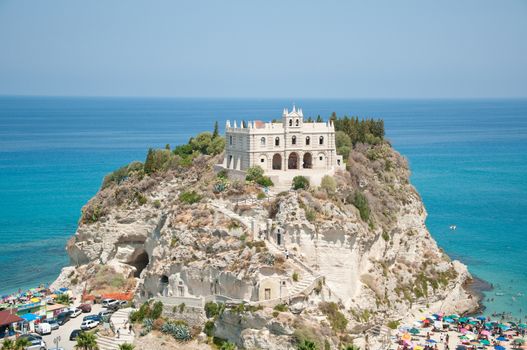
(285, 149)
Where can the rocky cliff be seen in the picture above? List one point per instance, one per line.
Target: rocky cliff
(358, 243)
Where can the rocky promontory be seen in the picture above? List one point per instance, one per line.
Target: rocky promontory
(329, 264)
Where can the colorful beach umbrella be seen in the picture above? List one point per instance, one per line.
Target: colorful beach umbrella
(448, 320)
(431, 341)
(518, 341)
(463, 319)
(485, 342)
(406, 337)
(414, 331)
(522, 325)
(502, 339)
(485, 332)
(499, 347)
(463, 337)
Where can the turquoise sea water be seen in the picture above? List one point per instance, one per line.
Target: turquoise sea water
(468, 159)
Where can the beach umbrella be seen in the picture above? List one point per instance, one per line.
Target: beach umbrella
(501, 339)
(414, 331)
(485, 342)
(503, 326)
(484, 332)
(522, 325)
(499, 347)
(463, 337)
(448, 320)
(453, 316)
(418, 347)
(29, 317)
(518, 341)
(481, 318)
(406, 337)
(431, 341)
(463, 330)
(473, 323)
(463, 319)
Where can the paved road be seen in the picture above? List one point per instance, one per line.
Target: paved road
(65, 331)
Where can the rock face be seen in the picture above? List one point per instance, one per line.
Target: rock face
(359, 241)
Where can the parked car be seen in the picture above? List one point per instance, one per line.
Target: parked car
(89, 324)
(53, 323)
(92, 317)
(85, 308)
(75, 333)
(63, 317)
(109, 302)
(36, 342)
(43, 328)
(123, 302)
(76, 312)
(105, 313)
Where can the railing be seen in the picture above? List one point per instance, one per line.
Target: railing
(273, 302)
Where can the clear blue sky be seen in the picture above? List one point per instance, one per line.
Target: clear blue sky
(350, 49)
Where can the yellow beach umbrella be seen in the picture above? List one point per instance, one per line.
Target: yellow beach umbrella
(417, 347)
(406, 336)
(34, 300)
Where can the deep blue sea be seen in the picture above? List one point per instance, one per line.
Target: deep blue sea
(468, 160)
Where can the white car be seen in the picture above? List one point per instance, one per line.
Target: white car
(109, 302)
(43, 328)
(89, 324)
(75, 312)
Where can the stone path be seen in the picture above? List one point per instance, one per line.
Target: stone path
(119, 318)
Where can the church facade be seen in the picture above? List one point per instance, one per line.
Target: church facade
(290, 146)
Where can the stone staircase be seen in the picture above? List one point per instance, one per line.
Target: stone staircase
(119, 318)
(304, 283)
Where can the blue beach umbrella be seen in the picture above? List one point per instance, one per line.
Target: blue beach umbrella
(431, 341)
(481, 318)
(499, 347)
(501, 339)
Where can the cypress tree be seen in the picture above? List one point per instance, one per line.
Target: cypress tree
(216, 132)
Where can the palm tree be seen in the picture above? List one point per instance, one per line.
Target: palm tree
(19, 344)
(86, 341)
(126, 346)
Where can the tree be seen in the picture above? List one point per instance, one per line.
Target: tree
(149, 162)
(328, 184)
(86, 341)
(319, 119)
(126, 346)
(167, 146)
(343, 143)
(300, 182)
(19, 344)
(307, 345)
(254, 173)
(216, 132)
(63, 299)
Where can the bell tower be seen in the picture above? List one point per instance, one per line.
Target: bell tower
(293, 119)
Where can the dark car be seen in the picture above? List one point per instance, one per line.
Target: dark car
(63, 318)
(75, 333)
(85, 308)
(92, 317)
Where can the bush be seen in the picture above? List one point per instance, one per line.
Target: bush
(261, 195)
(276, 313)
(295, 276)
(265, 181)
(300, 182)
(336, 318)
(189, 197)
(328, 184)
(208, 329)
(393, 324)
(360, 202)
(157, 204)
(254, 173)
(228, 346)
(281, 308)
(211, 309)
(122, 174)
(157, 310)
(385, 236)
(179, 330)
(307, 345)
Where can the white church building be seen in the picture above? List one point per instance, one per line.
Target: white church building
(283, 150)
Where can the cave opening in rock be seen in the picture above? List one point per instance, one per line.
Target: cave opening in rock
(164, 279)
(140, 261)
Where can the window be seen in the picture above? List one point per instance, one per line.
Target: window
(321, 158)
(297, 122)
(230, 140)
(308, 141)
(321, 140)
(262, 160)
(277, 141)
(262, 141)
(290, 122)
(293, 140)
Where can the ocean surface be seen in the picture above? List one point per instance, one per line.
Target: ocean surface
(468, 161)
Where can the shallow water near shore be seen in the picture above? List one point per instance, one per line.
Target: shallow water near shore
(468, 160)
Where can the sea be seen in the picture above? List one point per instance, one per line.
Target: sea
(468, 160)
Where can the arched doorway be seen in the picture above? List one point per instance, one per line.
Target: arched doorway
(277, 162)
(140, 260)
(292, 162)
(308, 161)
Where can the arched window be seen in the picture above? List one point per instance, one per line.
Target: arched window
(297, 122)
(230, 140)
(290, 122)
(308, 141)
(277, 141)
(262, 141)
(321, 140)
(293, 140)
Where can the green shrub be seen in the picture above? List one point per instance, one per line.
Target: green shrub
(140, 198)
(228, 346)
(265, 181)
(179, 330)
(254, 173)
(276, 313)
(328, 184)
(300, 182)
(211, 309)
(336, 318)
(311, 214)
(295, 276)
(122, 174)
(393, 324)
(307, 345)
(157, 204)
(360, 202)
(208, 329)
(157, 310)
(189, 197)
(385, 236)
(260, 195)
(281, 308)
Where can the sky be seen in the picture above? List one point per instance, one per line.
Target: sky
(264, 49)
